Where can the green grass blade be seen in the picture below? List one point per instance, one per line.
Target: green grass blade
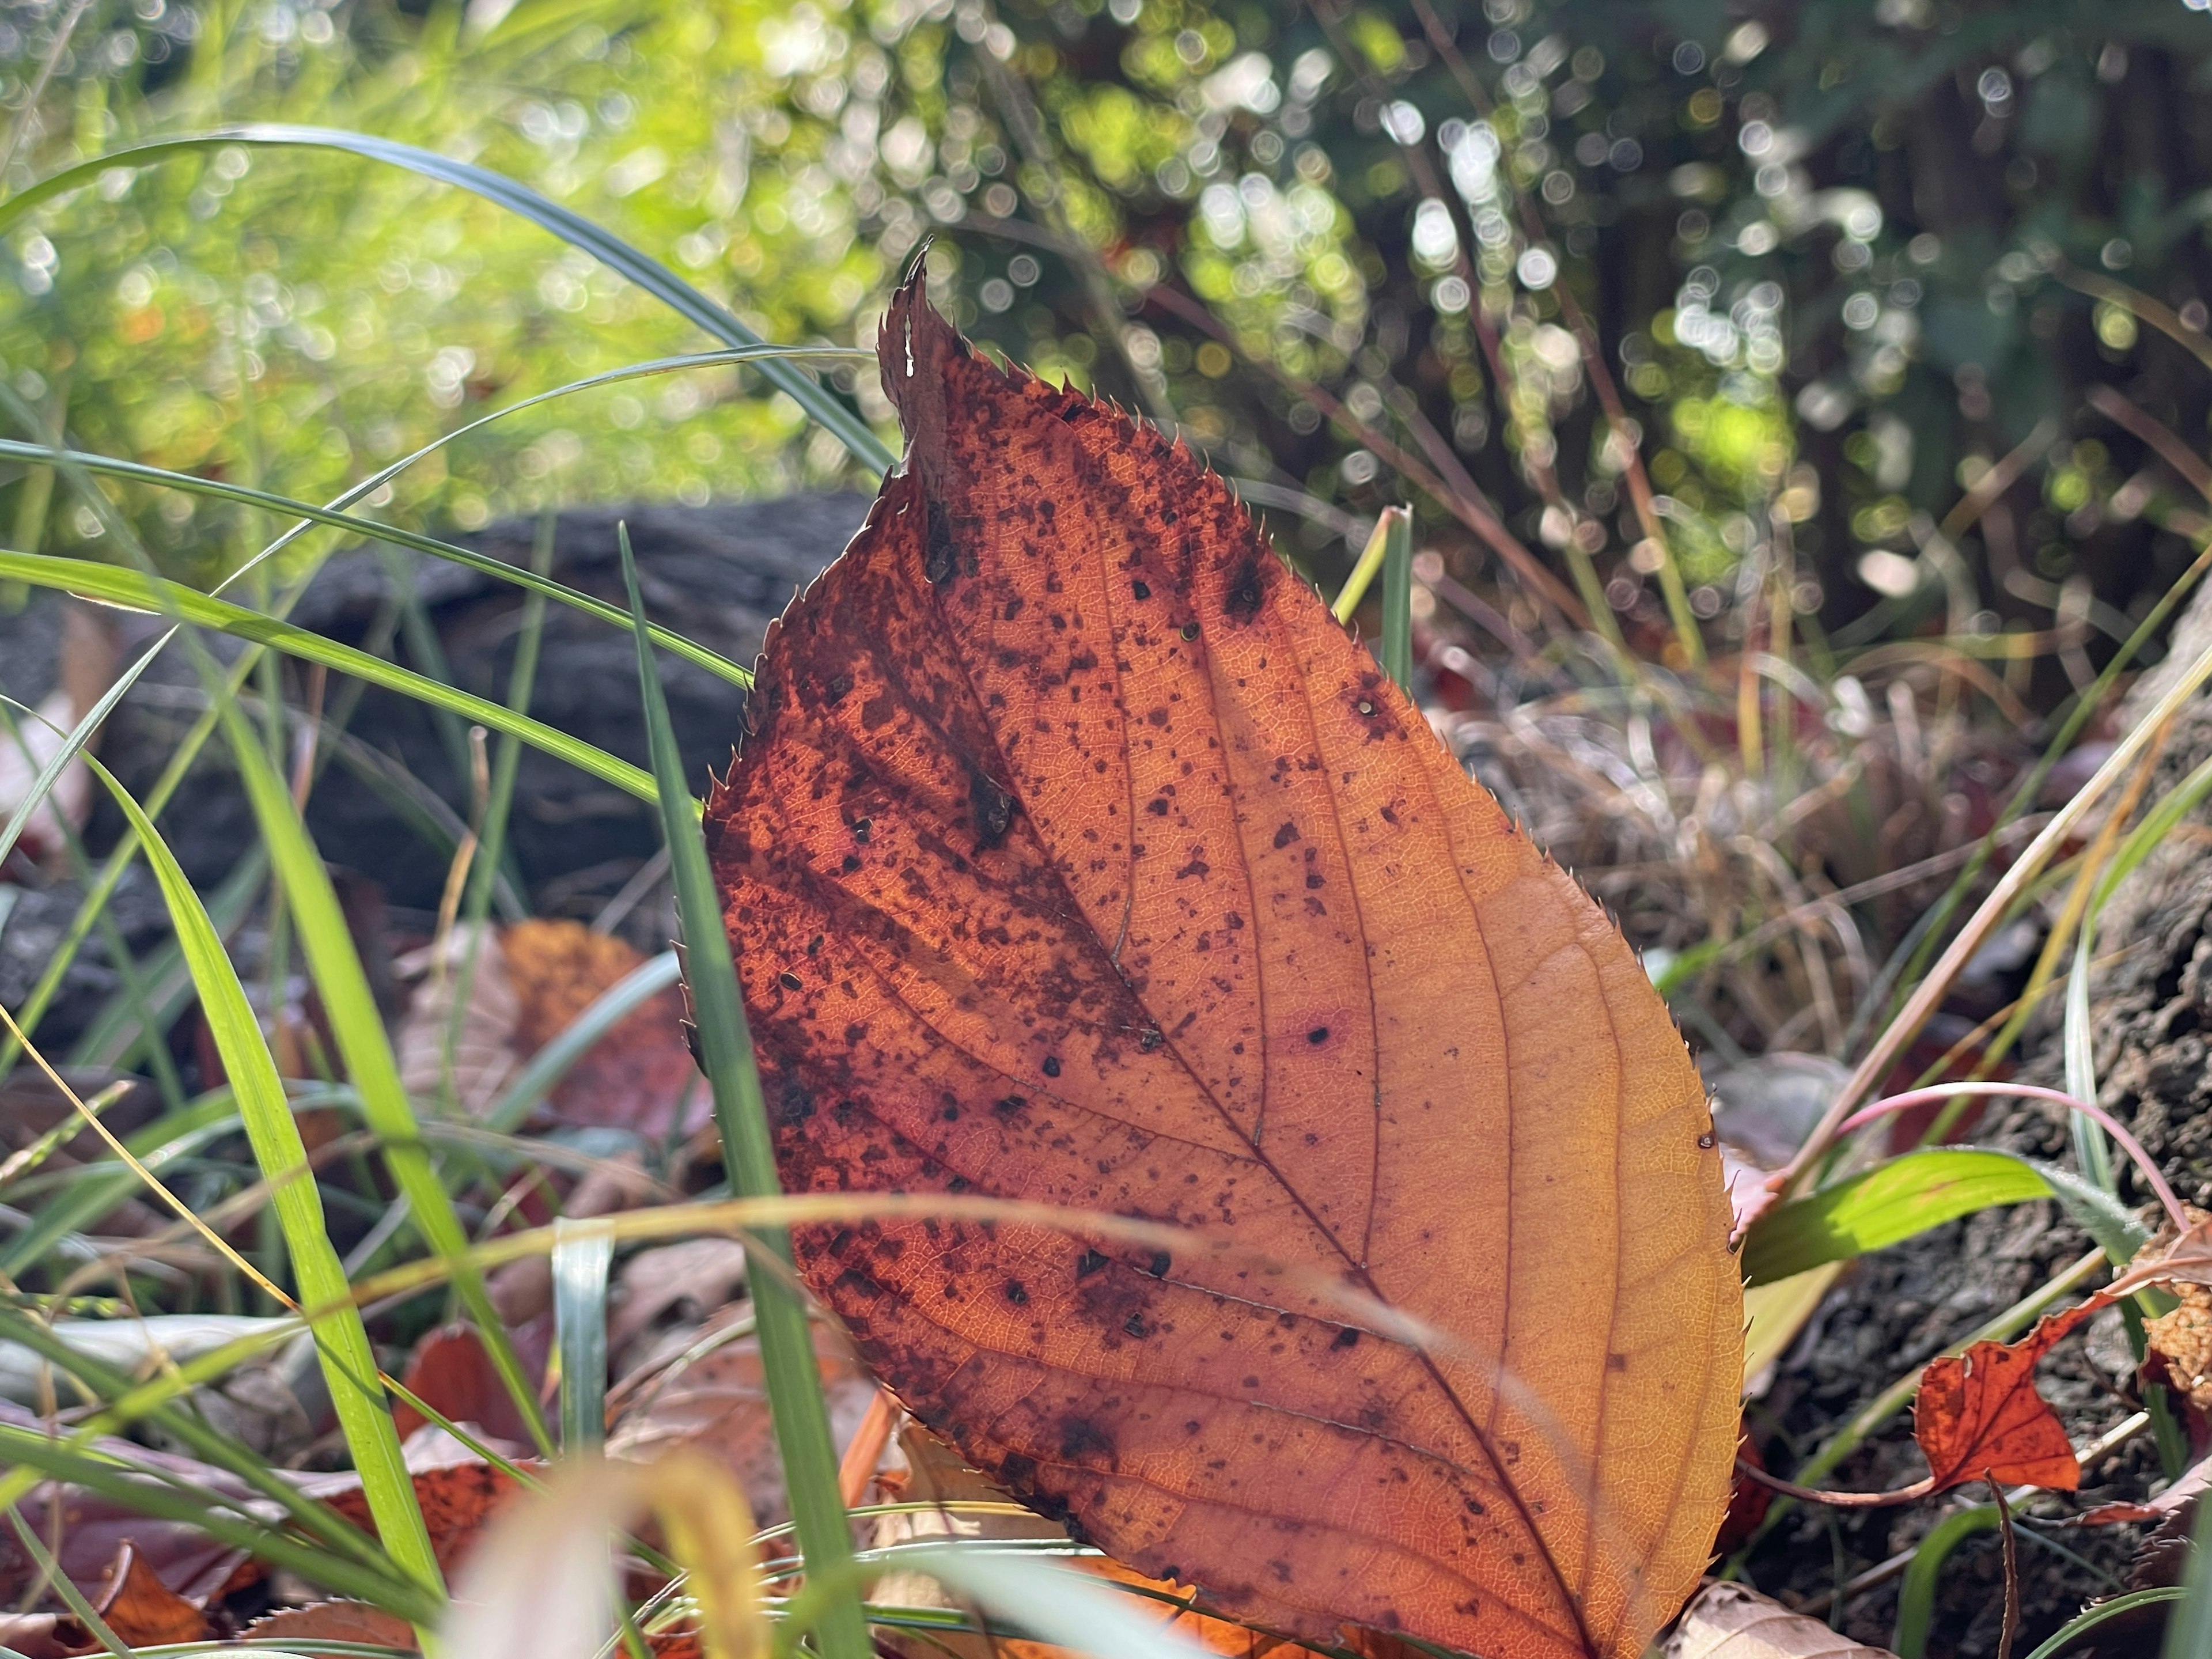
(580, 1327)
(51, 1572)
(364, 1046)
(168, 1498)
(135, 592)
(186, 1427)
(369, 529)
(794, 1383)
(1915, 1595)
(97, 1189)
(553, 1062)
(1398, 598)
(1363, 575)
(2189, 1631)
(342, 1340)
(656, 278)
(1884, 1206)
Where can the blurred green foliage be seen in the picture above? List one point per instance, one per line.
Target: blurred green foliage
(1841, 258)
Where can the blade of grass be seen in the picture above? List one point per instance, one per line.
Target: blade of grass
(579, 1327)
(167, 1498)
(1363, 569)
(349, 1005)
(49, 1572)
(656, 278)
(794, 1383)
(134, 592)
(342, 1340)
(1398, 598)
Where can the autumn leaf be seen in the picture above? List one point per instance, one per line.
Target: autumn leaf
(1075, 855)
(640, 1074)
(1979, 1417)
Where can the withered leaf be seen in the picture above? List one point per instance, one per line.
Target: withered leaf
(1727, 1621)
(1978, 1415)
(1076, 856)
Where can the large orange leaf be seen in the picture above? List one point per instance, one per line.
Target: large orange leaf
(1075, 855)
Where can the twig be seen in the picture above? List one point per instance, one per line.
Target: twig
(2011, 1572)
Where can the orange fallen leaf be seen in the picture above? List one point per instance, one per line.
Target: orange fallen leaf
(1978, 1415)
(143, 1611)
(1076, 855)
(451, 1371)
(638, 1076)
(333, 1621)
(458, 1501)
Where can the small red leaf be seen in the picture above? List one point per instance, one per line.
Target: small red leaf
(1979, 1417)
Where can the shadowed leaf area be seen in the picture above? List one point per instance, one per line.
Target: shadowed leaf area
(1075, 855)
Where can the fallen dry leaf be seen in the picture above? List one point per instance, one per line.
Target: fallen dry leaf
(934, 1473)
(458, 1501)
(481, 1040)
(718, 1403)
(1076, 855)
(333, 1621)
(1978, 1416)
(87, 668)
(706, 1273)
(1727, 1621)
(143, 1611)
(640, 1074)
(450, 1372)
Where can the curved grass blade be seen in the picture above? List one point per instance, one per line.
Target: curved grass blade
(342, 1340)
(368, 530)
(131, 590)
(796, 1408)
(817, 400)
(168, 1498)
(1884, 1206)
(364, 1046)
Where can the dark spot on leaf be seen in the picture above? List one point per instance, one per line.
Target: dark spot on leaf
(1319, 1034)
(1015, 1292)
(1244, 593)
(1151, 1039)
(937, 564)
(1052, 1065)
(1140, 590)
(789, 980)
(1088, 1263)
(1190, 630)
(839, 685)
(1345, 1338)
(1157, 1268)
(1286, 835)
(991, 807)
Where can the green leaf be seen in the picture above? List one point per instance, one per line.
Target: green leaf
(787, 1362)
(656, 278)
(135, 592)
(341, 1339)
(582, 1256)
(1884, 1206)
(349, 1005)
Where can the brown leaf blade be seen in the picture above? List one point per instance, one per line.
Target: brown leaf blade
(1077, 855)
